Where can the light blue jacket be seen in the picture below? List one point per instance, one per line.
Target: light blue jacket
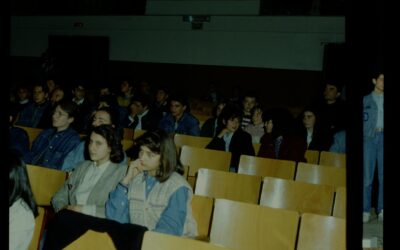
(370, 115)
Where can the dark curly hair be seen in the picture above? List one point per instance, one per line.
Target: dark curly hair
(113, 140)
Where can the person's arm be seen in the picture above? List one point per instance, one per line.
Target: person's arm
(74, 157)
(173, 218)
(117, 205)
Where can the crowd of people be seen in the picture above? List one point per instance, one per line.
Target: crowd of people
(144, 185)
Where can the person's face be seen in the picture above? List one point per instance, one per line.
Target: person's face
(61, 119)
(99, 150)
(125, 88)
(39, 96)
(161, 96)
(309, 119)
(23, 93)
(220, 107)
(232, 124)
(257, 116)
(79, 93)
(331, 93)
(51, 85)
(101, 117)
(177, 109)
(57, 95)
(137, 108)
(149, 159)
(249, 103)
(105, 92)
(269, 125)
(379, 83)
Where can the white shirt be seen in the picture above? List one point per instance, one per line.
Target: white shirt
(139, 125)
(21, 225)
(83, 191)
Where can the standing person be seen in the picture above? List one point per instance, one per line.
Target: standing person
(87, 188)
(152, 193)
(22, 205)
(373, 144)
(230, 137)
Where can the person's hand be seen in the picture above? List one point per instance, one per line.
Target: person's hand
(76, 208)
(134, 169)
(223, 132)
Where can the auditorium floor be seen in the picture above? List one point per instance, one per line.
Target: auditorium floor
(373, 232)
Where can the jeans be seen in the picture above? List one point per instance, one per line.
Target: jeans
(373, 157)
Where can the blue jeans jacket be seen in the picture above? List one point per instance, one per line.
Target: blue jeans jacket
(187, 125)
(30, 116)
(50, 147)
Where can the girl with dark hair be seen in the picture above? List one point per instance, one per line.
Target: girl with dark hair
(152, 193)
(22, 205)
(87, 188)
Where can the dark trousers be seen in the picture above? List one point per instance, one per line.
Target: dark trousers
(67, 226)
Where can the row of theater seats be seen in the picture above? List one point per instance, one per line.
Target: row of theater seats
(244, 226)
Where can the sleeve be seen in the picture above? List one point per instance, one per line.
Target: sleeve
(195, 127)
(61, 197)
(74, 157)
(217, 144)
(117, 205)
(267, 148)
(173, 218)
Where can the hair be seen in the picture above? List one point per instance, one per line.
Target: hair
(161, 143)
(230, 111)
(112, 112)
(113, 140)
(43, 86)
(19, 186)
(214, 110)
(68, 106)
(142, 99)
(181, 98)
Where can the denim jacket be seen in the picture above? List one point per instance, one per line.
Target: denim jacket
(30, 116)
(50, 147)
(187, 125)
(370, 115)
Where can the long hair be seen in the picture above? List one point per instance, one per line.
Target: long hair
(113, 140)
(161, 143)
(19, 185)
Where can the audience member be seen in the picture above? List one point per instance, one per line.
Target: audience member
(32, 113)
(339, 142)
(230, 137)
(52, 145)
(152, 193)
(79, 154)
(249, 101)
(22, 205)
(141, 115)
(209, 128)
(87, 188)
(19, 139)
(256, 127)
(180, 120)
